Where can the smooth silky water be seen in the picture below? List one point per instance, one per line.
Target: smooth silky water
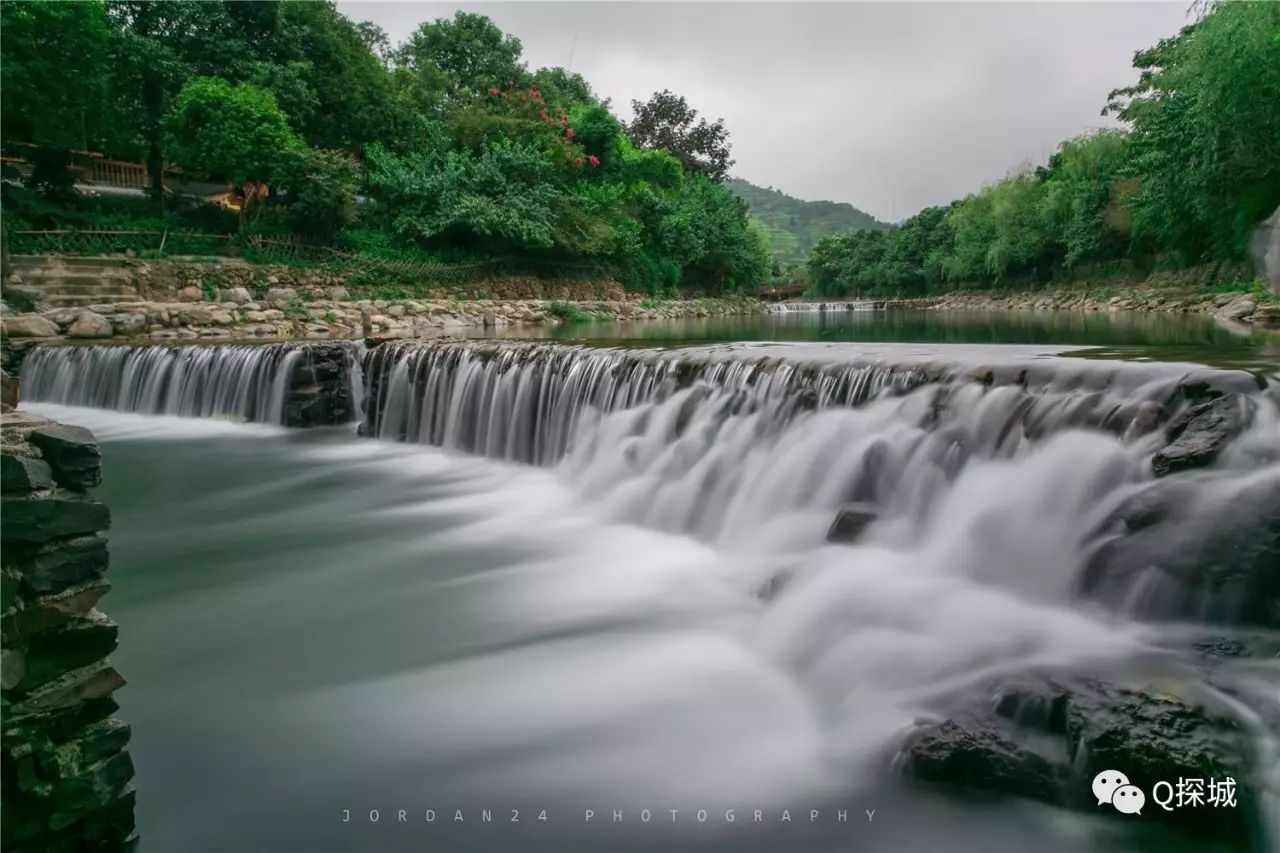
(551, 579)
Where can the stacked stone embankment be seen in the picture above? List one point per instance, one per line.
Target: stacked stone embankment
(67, 774)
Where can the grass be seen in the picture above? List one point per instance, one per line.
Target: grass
(568, 312)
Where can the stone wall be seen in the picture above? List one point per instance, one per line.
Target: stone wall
(67, 775)
(192, 278)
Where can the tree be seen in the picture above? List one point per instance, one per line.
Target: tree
(44, 45)
(667, 121)
(237, 132)
(319, 188)
(1205, 141)
(470, 51)
(501, 198)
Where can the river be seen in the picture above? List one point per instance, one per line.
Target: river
(600, 593)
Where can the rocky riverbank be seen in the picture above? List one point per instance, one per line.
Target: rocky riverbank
(1239, 306)
(67, 772)
(287, 313)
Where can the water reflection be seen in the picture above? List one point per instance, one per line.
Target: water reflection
(1130, 335)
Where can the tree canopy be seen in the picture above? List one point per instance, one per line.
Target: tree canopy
(455, 147)
(1195, 169)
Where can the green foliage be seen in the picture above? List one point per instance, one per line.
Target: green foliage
(501, 198)
(568, 312)
(54, 91)
(237, 132)
(1206, 131)
(667, 121)
(469, 52)
(460, 153)
(1191, 178)
(320, 188)
(793, 226)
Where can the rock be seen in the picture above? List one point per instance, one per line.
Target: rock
(90, 325)
(975, 756)
(259, 330)
(58, 565)
(851, 522)
(29, 326)
(39, 519)
(24, 474)
(190, 293)
(129, 324)
(1237, 309)
(72, 453)
(395, 311)
(1199, 434)
(339, 294)
(281, 294)
(235, 294)
(271, 315)
(195, 315)
(1047, 739)
(1204, 551)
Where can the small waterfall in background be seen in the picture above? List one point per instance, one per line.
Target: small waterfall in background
(248, 382)
(813, 307)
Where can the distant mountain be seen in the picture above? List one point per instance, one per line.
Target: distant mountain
(794, 225)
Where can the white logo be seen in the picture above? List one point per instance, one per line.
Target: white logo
(1112, 786)
(1106, 783)
(1129, 799)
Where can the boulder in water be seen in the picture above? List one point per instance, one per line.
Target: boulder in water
(1237, 309)
(1200, 434)
(851, 522)
(976, 756)
(1048, 739)
(1194, 549)
(72, 452)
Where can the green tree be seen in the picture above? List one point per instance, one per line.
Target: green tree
(45, 44)
(1205, 143)
(469, 51)
(319, 189)
(667, 121)
(236, 132)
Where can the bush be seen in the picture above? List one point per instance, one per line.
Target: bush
(319, 189)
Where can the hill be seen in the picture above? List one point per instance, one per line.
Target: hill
(794, 225)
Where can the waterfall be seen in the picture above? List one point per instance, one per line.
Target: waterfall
(1047, 464)
(813, 307)
(249, 382)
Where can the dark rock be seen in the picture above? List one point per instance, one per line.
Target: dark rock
(1199, 435)
(851, 522)
(1195, 549)
(24, 474)
(972, 755)
(57, 565)
(320, 388)
(50, 654)
(72, 452)
(39, 519)
(1066, 732)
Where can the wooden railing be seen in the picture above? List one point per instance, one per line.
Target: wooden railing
(117, 173)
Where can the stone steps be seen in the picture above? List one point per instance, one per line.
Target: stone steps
(22, 263)
(69, 281)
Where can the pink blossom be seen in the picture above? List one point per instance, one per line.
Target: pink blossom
(593, 160)
(568, 133)
(493, 90)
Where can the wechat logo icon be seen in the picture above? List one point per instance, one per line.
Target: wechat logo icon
(1112, 786)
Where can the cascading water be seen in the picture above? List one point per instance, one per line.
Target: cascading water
(247, 382)
(783, 561)
(738, 449)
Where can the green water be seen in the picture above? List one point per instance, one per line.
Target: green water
(1163, 337)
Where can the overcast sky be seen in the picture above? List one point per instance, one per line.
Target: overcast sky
(889, 106)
